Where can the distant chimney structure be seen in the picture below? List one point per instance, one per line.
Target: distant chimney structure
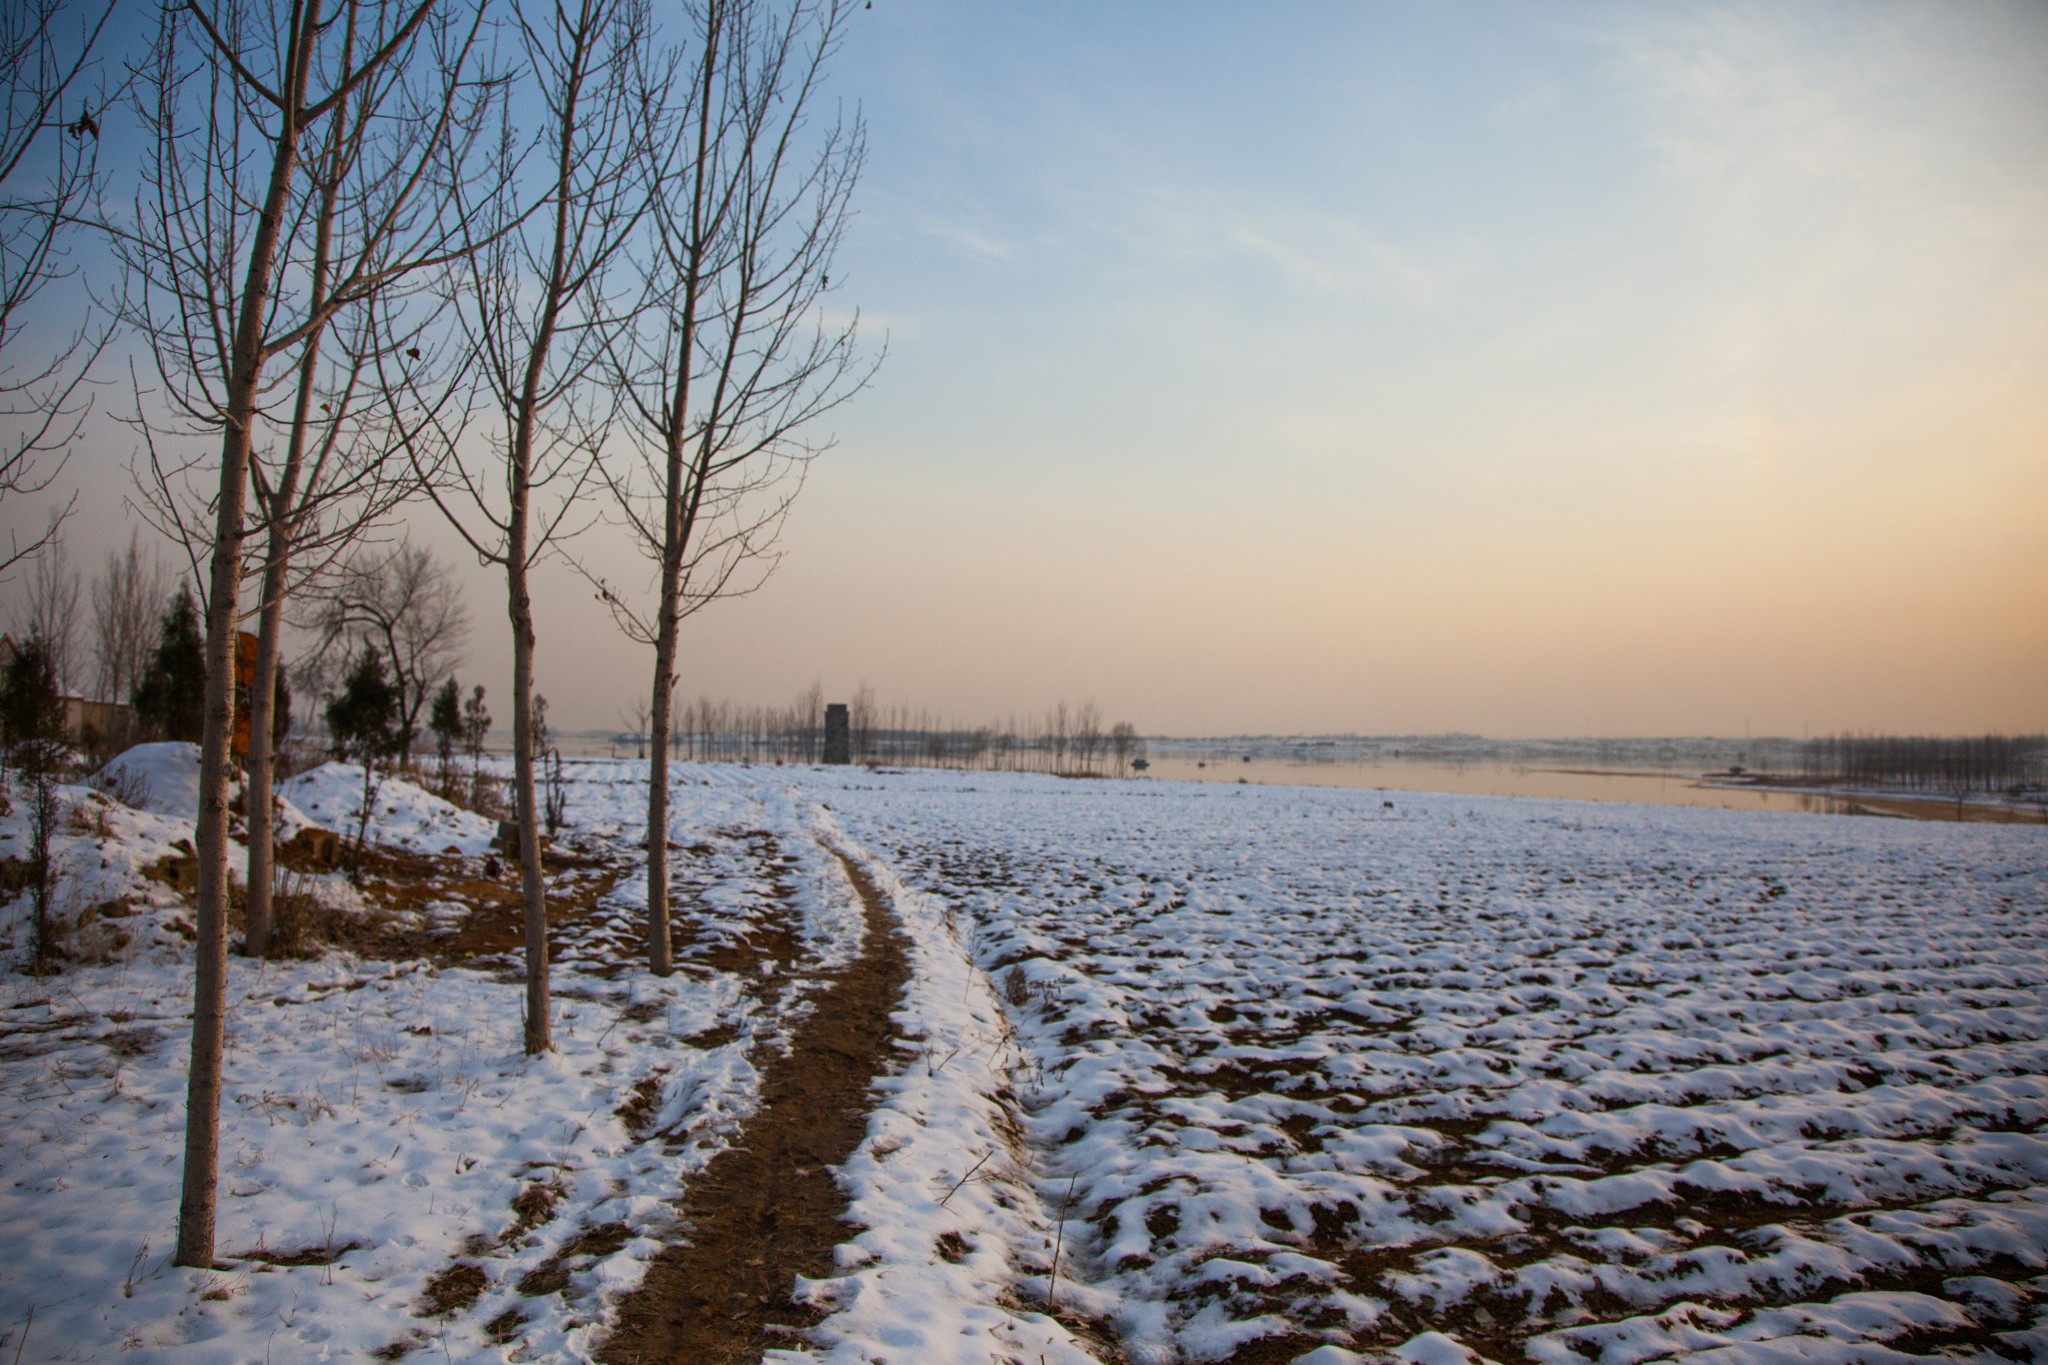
(838, 734)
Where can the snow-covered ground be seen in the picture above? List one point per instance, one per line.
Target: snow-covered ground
(1228, 1072)
(385, 1146)
(1611, 1081)
(405, 817)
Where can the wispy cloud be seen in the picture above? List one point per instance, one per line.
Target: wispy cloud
(1303, 249)
(1749, 102)
(969, 240)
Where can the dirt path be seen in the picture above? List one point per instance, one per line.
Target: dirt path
(767, 1208)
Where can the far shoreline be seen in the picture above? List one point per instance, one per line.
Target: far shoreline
(1675, 787)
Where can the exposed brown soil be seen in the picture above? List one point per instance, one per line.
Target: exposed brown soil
(492, 932)
(701, 936)
(642, 1102)
(412, 897)
(1916, 808)
(410, 893)
(455, 1290)
(767, 1209)
(1278, 1350)
(586, 1248)
(320, 1255)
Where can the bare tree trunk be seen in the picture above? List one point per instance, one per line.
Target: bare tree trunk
(675, 525)
(532, 889)
(279, 512)
(519, 607)
(660, 957)
(531, 312)
(210, 956)
(202, 1118)
(263, 751)
(209, 254)
(202, 1104)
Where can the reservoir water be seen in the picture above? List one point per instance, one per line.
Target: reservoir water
(1652, 786)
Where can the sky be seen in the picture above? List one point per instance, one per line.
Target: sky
(1577, 369)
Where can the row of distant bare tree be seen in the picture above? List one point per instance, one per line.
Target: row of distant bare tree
(539, 264)
(1970, 763)
(402, 603)
(1068, 741)
(111, 628)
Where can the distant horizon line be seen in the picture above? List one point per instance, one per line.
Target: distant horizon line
(1463, 736)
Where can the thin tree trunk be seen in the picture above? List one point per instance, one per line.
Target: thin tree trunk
(277, 508)
(259, 919)
(278, 512)
(202, 1102)
(659, 956)
(519, 607)
(533, 890)
(675, 530)
(363, 814)
(196, 1209)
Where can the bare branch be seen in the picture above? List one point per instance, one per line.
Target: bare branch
(45, 63)
(726, 359)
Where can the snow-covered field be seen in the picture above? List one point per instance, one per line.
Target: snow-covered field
(1593, 1081)
(1273, 1073)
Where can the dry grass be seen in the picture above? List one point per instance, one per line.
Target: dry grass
(301, 926)
(128, 787)
(1017, 985)
(93, 817)
(455, 1290)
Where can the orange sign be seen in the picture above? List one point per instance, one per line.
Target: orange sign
(245, 688)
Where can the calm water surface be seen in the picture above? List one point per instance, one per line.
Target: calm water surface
(1501, 779)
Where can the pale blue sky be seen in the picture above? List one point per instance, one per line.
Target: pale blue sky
(1526, 369)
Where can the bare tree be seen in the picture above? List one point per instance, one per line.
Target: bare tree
(860, 721)
(1124, 746)
(323, 492)
(362, 217)
(225, 279)
(408, 606)
(726, 363)
(127, 599)
(1087, 736)
(49, 135)
(636, 725)
(809, 716)
(532, 307)
(53, 611)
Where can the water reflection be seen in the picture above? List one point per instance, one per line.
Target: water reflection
(1647, 785)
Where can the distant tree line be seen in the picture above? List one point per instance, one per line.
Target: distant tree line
(1988, 763)
(1068, 741)
(149, 652)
